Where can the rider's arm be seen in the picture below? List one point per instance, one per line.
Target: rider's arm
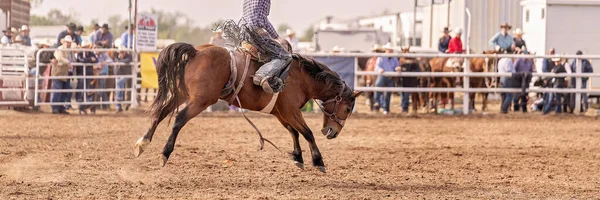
(494, 40)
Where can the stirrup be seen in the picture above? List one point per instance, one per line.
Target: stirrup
(265, 86)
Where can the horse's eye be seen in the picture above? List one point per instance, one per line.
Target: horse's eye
(348, 109)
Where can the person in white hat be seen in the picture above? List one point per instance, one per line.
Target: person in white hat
(61, 64)
(519, 45)
(291, 38)
(456, 45)
(385, 64)
(24, 38)
(217, 38)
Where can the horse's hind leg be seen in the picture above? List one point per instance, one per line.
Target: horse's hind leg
(194, 107)
(141, 144)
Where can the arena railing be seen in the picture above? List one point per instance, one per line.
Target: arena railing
(14, 69)
(132, 79)
(466, 74)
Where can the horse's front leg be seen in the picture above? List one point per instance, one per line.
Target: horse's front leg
(298, 123)
(296, 155)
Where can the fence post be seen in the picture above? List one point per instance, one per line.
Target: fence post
(466, 70)
(578, 84)
(134, 67)
(355, 85)
(36, 78)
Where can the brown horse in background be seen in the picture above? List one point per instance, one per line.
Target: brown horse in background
(197, 75)
(476, 65)
(439, 65)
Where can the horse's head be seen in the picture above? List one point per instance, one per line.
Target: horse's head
(405, 50)
(336, 110)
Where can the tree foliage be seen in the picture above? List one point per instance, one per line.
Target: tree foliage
(282, 28)
(53, 18)
(308, 35)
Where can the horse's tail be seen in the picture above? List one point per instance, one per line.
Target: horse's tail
(170, 68)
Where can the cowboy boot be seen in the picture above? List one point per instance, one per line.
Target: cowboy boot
(271, 75)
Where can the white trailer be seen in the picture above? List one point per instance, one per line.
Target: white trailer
(566, 25)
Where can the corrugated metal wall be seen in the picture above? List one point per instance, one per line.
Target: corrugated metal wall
(487, 15)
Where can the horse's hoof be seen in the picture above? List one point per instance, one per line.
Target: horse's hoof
(163, 160)
(140, 145)
(322, 169)
(299, 164)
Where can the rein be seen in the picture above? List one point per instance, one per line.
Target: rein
(337, 99)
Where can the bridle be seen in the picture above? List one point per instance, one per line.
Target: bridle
(337, 99)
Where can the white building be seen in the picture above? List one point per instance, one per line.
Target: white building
(487, 15)
(566, 25)
(400, 26)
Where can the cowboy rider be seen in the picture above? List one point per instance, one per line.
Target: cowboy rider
(444, 40)
(271, 75)
(503, 41)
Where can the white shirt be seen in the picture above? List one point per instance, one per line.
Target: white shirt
(4, 40)
(506, 65)
(293, 42)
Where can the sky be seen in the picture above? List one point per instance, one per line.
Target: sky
(299, 14)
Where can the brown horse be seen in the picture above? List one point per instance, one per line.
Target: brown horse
(370, 81)
(486, 64)
(418, 98)
(440, 65)
(197, 75)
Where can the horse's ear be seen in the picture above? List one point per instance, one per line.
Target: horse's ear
(356, 94)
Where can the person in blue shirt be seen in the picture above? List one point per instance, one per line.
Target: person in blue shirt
(385, 64)
(127, 37)
(586, 67)
(444, 41)
(503, 41)
(71, 27)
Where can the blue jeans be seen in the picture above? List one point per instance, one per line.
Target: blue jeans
(507, 97)
(59, 97)
(121, 94)
(69, 95)
(584, 96)
(383, 98)
(553, 99)
(102, 96)
(405, 101)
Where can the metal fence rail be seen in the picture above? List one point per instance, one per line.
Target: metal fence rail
(466, 74)
(13, 74)
(132, 80)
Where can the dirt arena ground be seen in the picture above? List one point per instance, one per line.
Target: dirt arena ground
(394, 157)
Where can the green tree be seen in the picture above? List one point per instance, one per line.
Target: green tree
(308, 35)
(282, 28)
(53, 18)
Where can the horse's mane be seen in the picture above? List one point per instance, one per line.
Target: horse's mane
(321, 73)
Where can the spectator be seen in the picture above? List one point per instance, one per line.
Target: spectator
(217, 39)
(519, 45)
(70, 31)
(127, 37)
(505, 65)
(369, 79)
(126, 58)
(103, 61)
(523, 67)
(503, 41)
(410, 65)
(455, 44)
(291, 38)
(60, 67)
(93, 34)
(555, 99)
(78, 33)
(7, 38)
(24, 38)
(444, 40)
(87, 58)
(586, 67)
(104, 37)
(385, 64)
(548, 64)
